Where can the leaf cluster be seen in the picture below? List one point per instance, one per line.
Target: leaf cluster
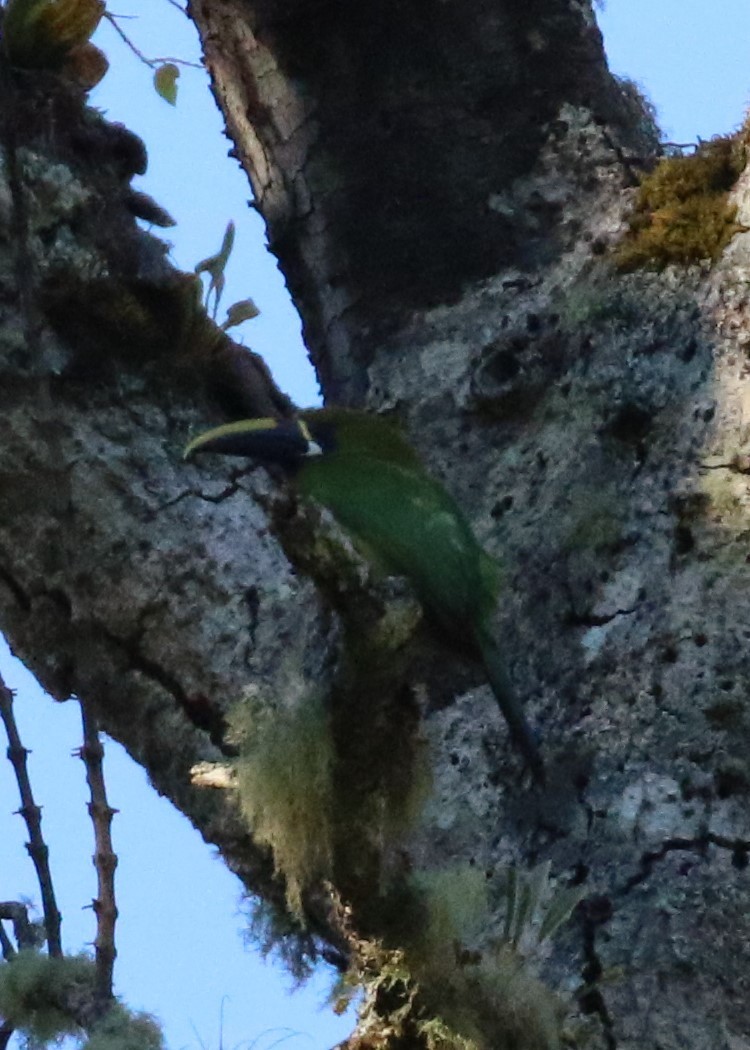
(214, 266)
(55, 35)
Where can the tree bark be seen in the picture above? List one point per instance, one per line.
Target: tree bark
(383, 141)
(443, 190)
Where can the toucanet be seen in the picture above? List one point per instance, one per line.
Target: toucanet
(364, 471)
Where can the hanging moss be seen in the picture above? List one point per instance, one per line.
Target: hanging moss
(120, 1029)
(37, 993)
(284, 776)
(681, 213)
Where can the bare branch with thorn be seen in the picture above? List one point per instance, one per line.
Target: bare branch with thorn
(105, 861)
(32, 814)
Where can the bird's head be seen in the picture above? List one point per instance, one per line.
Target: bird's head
(288, 442)
(315, 433)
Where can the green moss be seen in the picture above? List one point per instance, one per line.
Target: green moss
(120, 1029)
(456, 906)
(271, 930)
(49, 998)
(391, 1013)
(485, 992)
(486, 1004)
(134, 320)
(284, 777)
(438, 1036)
(588, 304)
(454, 986)
(37, 993)
(681, 212)
(331, 787)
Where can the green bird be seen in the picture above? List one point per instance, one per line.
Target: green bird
(363, 470)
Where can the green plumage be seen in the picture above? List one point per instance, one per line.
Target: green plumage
(382, 495)
(362, 469)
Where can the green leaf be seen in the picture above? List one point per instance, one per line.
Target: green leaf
(559, 910)
(538, 880)
(165, 82)
(511, 892)
(244, 310)
(215, 265)
(523, 912)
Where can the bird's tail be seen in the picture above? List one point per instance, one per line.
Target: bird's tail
(510, 706)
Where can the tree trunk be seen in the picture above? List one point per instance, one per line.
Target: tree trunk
(443, 191)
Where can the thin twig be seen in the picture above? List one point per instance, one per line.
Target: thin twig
(32, 814)
(105, 861)
(150, 62)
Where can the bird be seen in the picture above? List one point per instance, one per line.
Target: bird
(362, 468)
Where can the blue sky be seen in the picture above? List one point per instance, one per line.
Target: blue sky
(179, 935)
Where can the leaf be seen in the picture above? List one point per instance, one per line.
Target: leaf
(244, 310)
(165, 82)
(560, 909)
(538, 886)
(39, 34)
(511, 892)
(87, 64)
(523, 911)
(226, 245)
(73, 22)
(215, 265)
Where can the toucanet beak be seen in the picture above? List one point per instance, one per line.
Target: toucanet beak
(284, 441)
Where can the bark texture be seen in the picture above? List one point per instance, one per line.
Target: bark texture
(382, 140)
(442, 188)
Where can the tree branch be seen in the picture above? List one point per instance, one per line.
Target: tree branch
(105, 860)
(23, 929)
(32, 814)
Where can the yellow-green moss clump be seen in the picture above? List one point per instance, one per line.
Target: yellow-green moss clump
(284, 776)
(47, 999)
(36, 992)
(490, 997)
(450, 986)
(681, 212)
